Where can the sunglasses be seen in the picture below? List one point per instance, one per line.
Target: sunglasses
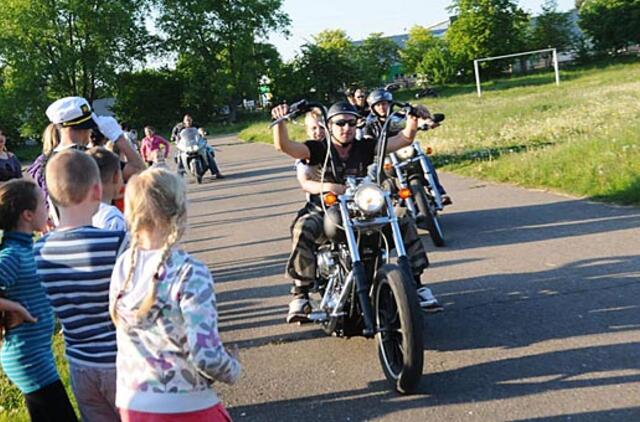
(344, 122)
(360, 96)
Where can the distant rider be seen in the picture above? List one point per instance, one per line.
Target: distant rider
(380, 100)
(187, 122)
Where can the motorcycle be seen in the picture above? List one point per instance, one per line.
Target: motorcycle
(409, 166)
(362, 292)
(192, 155)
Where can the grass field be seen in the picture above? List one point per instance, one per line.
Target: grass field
(580, 138)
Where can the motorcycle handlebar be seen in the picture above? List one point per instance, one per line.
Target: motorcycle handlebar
(296, 109)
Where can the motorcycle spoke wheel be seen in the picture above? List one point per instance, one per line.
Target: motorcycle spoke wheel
(399, 328)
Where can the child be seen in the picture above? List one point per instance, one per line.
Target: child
(108, 217)
(151, 143)
(160, 158)
(76, 261)
(26, 351)
(163, 304)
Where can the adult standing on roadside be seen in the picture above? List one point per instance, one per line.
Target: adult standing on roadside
(10, 167)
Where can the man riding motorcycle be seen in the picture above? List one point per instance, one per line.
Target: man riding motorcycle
(187, 122)
(349, 158)
(379, 101)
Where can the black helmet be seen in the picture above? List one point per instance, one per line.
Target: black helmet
(342, 107)
(379, 95)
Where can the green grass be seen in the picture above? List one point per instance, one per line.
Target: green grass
(12, 407)
(580, 138)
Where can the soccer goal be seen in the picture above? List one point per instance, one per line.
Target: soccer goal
(476, 64)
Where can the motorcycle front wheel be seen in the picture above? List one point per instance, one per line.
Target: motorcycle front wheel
(400, 327)
(196, 170)
(426, 213)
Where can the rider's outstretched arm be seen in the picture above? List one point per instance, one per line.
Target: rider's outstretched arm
(281, 136)
(408, 134)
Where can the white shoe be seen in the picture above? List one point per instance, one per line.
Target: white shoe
(428, 301)
(299, 309)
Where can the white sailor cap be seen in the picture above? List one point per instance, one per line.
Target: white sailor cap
(72, 112)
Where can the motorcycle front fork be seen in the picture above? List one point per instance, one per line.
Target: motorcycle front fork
(404, 183)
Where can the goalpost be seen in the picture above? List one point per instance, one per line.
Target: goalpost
(476, 67)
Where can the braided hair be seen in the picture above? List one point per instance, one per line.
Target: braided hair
(155, 201)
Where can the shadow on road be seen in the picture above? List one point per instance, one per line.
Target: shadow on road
(592, 296)
(628, 414)
(499, 380)
(255, 261)
(505, 226)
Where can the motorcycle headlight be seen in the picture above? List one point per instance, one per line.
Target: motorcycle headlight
(406, 152)
(369, 198)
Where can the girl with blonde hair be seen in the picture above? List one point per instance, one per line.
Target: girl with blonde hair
(164, 308)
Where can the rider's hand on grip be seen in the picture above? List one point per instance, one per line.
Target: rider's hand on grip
(279, 111)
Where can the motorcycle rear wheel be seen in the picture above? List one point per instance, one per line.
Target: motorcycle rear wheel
(400, 327)
(427, 213)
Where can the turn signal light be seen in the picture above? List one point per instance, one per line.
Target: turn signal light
(404, 193)
(429, 151)
(330, 199)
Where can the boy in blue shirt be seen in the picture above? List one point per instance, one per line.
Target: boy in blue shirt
(75, 262)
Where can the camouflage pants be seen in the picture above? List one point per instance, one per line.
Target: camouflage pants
(308, 233)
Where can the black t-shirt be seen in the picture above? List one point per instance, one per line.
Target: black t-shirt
(361, 155)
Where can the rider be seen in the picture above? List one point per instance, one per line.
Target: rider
(380, 100)
(360, 102)
(350, 159)
(187, 122)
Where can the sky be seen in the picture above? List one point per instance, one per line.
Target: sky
(359, 18)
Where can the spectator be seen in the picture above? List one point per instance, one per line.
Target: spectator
(10, 167)
(50, 140)
(151, 143)
(163, 304)
(26, 354)
(75, 262)
(108, 217)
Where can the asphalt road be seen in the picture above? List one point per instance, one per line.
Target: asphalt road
(541, 318)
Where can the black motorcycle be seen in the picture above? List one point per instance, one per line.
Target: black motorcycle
(411, 171)
(364, 293)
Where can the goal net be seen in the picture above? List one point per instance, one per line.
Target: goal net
(476, 63)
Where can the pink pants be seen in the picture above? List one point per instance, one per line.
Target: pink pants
(216, 413)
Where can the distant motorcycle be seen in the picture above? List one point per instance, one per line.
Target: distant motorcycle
(410, 168)
(192, 155)
(426, 92)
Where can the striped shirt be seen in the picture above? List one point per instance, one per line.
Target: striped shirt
(76, 266)
(26, 351)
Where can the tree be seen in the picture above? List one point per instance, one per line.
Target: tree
(373, 59)
(56, 48)
(613, 24)
(420, 41)
(486, 28)
(551, 29)
(149, 97)
(220, 38)
(437, 65)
